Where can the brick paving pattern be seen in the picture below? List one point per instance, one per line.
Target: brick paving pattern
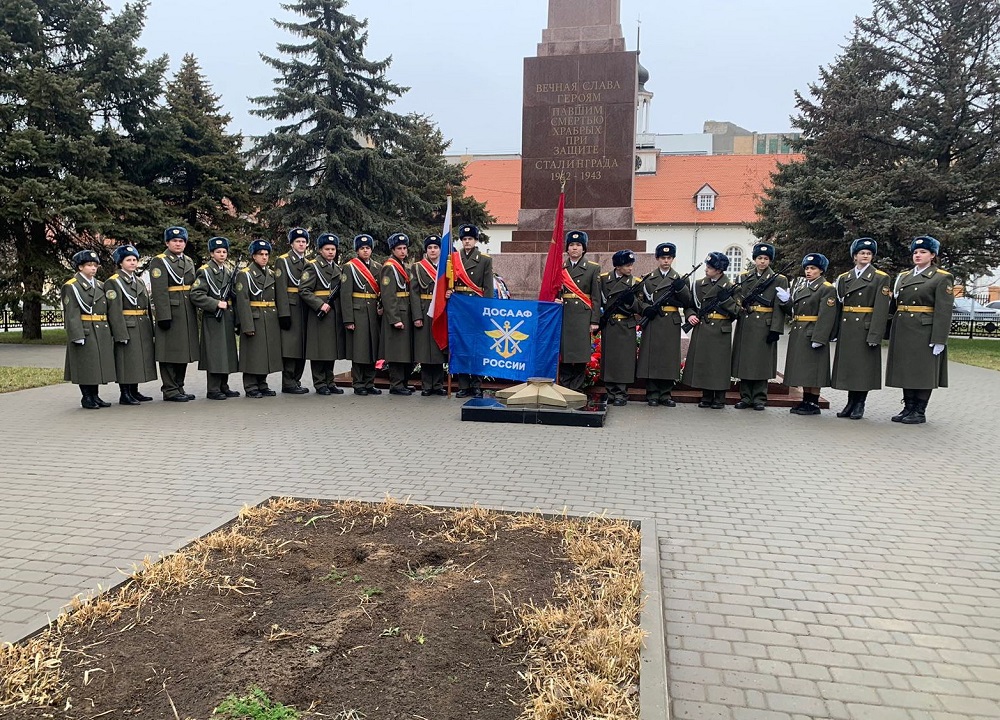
(812, 567)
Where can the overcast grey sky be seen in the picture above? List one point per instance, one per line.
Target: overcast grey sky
(715, 60)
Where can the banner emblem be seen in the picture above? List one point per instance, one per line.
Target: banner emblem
(506, 339)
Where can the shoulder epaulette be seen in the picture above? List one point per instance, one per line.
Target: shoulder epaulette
(312, 261)
(204, 267)
(482, 254)
(945, 272)
(161, 255)
(606, 275)
(70, 281)
(879, 272)
(843, 275)
(245, 270)
(113, 277)
(283, 256)
(591, 262)
(827, 283)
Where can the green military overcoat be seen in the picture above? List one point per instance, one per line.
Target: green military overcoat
(218, 338)
(618, 338)
(806, 366)
(131, 327)
(576, 345)
(397, 343)
(753, 357)
(170, 279)
(425, 348)
(359, 304)
(911, 363)
(708, 364)
(660, 345)
(320, 285)
(864, 302)
(479, 267)
(260, 353)
(288, 269)
(85, 312)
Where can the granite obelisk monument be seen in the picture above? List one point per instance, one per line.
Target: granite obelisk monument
(578, 126)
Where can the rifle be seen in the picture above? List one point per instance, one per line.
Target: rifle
(619, 301)
(227, 289)
(756, 296)
(661, 299)
(715, 303)
(334, 292)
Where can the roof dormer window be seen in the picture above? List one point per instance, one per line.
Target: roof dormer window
(705, 198)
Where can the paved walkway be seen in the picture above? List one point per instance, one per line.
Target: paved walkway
(813, 567)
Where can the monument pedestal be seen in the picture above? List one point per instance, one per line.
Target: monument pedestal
(601, 241)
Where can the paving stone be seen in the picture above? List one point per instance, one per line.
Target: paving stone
(833, 586)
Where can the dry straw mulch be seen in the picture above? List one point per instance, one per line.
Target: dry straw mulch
(584, 643)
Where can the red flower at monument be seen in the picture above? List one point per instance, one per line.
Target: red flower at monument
(593, 373)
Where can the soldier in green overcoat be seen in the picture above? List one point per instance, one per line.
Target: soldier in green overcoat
(320, 293)
(260, 347)
(423, 274)
(211, 294)
(397, 317)
(864, 297)
(812, 302)
(581, 311)
(131, 326)
(758, 329)
(361, 306)
(176, 340)
(473, 275)
(618, 338)
(660, 346)
(708, 365)
(89, 356)
(288, 269)
(918, 341)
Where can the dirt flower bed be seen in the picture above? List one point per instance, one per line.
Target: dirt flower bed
(307, 609)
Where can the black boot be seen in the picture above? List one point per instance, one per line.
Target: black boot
(134, 392)
(907, 407)
(126, 395)
(87, 401)
(916, 416)
(848, 410)
(858, 411)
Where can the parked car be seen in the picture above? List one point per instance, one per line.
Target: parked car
(995, 305)
(965, 306)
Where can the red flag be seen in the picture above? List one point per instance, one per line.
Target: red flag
(552, 277)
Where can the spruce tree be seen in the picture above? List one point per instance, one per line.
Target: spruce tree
(341, 160)
(77, 92)
(202, 178)
(901, 138)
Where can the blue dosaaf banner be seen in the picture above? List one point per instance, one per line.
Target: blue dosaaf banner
(510, 339)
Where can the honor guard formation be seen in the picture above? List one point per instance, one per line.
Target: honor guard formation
(296, 308)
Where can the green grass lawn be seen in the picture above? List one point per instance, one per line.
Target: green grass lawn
(22, 378)
(981, 353)
(54, 336)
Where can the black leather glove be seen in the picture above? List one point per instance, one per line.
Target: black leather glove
(164, 324)
(285, 323)
(678, 284)
(772, 337)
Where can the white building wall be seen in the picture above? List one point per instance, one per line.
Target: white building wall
(694, 242)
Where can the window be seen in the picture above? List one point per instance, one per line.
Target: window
(705, 198)
(761, 144)
(772, 146)
(735, 255)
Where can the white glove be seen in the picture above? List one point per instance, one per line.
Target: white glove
(817, 345)
(782, 294)
(937, 348)
(873, 344)
(78, 342)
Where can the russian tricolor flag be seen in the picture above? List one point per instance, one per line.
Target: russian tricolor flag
(439, 304)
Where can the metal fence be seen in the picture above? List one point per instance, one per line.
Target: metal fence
(51, 317)
(975, 328)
